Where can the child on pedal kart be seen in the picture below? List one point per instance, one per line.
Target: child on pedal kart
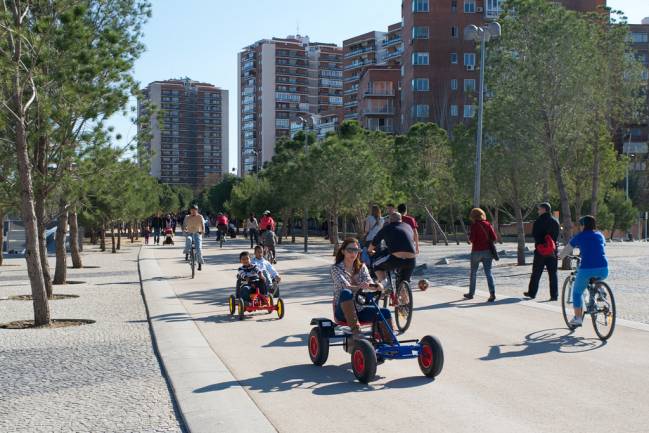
(249, 278)
(266, 268)
(350, 275)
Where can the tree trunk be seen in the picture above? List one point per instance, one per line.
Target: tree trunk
(566, 214)
(131, 235)
(595, 187)
(112, 239)
(520, 232)
(451, 210)
(436, 224)
(102, 237)
(93, 236)
(333, 233)
(60, 272)
(464, 229)
(2, 233)
(32, 251)
(42, 244)
(77, 263)
(119, 236)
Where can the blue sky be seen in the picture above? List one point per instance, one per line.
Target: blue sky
(200, 39)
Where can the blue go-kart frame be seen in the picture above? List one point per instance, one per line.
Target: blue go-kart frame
(368, 352)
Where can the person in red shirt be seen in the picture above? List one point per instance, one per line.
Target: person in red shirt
(403, 210)
(482, 235)
(267, 222)
(221, 225)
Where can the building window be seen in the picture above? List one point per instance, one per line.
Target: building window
(421, 110)
(469, 6)
(282, 123)
(419, 58)
(469, 59)
(454, 111)
(638, 38)
(454, 58)
(469, 86)
(420, 6)
(454, 84)
(420, 85)
(469, 111)
(454, 32)
(420, 32)
(454, 6)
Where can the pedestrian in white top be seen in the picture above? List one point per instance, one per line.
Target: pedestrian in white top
(373, 224)
(253, 230)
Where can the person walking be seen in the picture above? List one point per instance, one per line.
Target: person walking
(482, 235)
(157, 224)
(546, 232)
(411, 221)
(373, 224)
(253, 230)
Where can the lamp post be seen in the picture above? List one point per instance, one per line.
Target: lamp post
(305, 220)
(480, 35)
(626, 177)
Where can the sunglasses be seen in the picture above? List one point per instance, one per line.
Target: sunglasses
(353, 250)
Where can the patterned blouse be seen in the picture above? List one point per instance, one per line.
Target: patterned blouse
(343, 279)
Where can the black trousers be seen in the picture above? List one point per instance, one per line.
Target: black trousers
(541, 263)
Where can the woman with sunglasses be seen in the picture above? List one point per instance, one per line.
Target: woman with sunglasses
(349, 276)
(594, 263)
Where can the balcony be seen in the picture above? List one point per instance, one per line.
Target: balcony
(382, 92)
(350, 104)
(351, 116)
(356, 65)
(352, 91)
(379, 111)
(393, 55)
(358, 52)
(391, 42)
(351, 79)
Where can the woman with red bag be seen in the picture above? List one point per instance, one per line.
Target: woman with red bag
(482, 237)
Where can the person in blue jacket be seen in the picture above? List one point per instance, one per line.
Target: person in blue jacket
(594, 264)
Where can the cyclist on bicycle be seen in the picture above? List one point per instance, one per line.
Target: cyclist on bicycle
(194, 227)
(594, 264)
(221, 225)
(269, 240)
(401, 252)
(265, 267)
(267, 222)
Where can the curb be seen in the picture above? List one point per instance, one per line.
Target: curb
(190, 364)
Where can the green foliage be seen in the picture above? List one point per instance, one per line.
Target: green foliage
(251, 195)
(624, 214)
(220, 193)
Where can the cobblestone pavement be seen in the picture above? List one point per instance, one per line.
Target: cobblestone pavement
(628, 264)
(102, 377)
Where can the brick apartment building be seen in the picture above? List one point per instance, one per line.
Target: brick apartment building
(281, 80)
(189, 144)
(636, 143)
(440, 69)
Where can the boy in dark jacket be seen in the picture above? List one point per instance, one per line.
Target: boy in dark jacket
(544, 225)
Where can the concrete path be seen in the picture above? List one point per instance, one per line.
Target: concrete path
(509, 366)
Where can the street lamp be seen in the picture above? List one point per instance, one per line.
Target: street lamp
(480, 35)
(305, 220)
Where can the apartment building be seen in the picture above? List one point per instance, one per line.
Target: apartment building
(636, 143)
(189, 132)
(440, 69)
(280, 81)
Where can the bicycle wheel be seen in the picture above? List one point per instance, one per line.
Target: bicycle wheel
(403, 308)
(388, 291)
(604, 317)
(192, 262)
(566, 299)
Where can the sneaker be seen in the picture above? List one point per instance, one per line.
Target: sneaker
(552, 299)
(468, 296)
(492, 298)
(186, 257)
(576, 322)
(527, 295)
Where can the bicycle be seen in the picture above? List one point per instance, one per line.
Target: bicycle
(598, 301)
(221, 235)
(401, 300)
(268, 255)
(192, 259)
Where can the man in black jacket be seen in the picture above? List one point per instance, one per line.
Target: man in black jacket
(544, 225)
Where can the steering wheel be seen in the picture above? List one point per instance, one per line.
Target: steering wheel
(366, 298)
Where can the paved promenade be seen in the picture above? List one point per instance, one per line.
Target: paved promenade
(102, 377)
(509, 366)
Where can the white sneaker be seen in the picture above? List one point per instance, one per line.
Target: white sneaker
(576, 322)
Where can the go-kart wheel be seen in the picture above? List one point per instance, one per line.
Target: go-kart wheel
(364, 361)
(241, 308)
(431, 356)
(280, 308)
(232, 304)
(318, 346)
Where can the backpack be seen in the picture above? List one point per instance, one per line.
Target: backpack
(548, 247)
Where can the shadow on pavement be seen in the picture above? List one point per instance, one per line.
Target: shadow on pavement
(464, 303)
(558, 340)
(326, 380)
(297, 340)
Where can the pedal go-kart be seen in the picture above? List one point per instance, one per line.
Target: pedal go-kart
(372, 350)
(258, 302)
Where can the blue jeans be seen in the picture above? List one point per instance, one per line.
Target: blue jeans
(581, 282)
(485, 258)
(366, 313)
(198, 245)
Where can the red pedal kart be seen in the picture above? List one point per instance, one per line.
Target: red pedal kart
(258, 301)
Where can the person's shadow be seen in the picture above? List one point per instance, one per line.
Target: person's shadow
(559, 340)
